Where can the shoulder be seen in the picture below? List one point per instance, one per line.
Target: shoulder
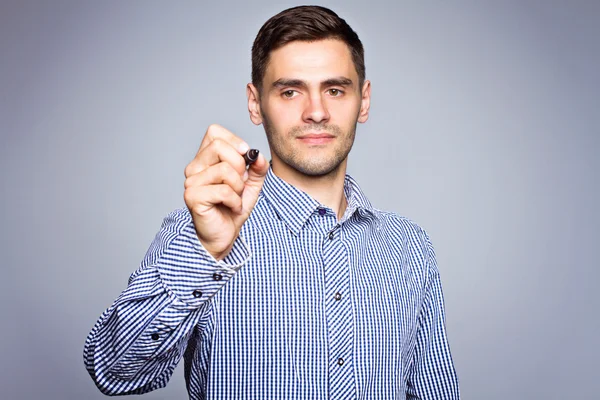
(402, 227)
(394, 225)
(408, 237)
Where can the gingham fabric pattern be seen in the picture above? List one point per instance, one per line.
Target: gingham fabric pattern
(305, 306)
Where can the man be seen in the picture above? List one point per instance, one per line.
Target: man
(282, 281)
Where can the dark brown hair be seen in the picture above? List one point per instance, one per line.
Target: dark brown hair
(303, 23)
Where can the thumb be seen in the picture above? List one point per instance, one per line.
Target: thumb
(256, 177)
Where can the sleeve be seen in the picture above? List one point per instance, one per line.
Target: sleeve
(432, 374)
(138, 341)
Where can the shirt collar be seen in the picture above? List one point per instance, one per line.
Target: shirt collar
(294, 207)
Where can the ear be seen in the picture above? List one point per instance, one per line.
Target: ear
(253, 104)
(365, 102)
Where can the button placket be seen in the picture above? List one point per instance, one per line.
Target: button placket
(340, 324)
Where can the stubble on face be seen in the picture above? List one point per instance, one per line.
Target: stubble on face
(284, 147)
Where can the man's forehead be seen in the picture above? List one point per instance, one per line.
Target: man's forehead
(311, 60)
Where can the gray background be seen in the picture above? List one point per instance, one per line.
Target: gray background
(484, 129)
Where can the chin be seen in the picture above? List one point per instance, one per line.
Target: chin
(315, 168)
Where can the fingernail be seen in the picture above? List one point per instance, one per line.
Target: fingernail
(245, 175)
(243, 147)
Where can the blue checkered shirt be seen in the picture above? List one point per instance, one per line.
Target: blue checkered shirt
(305, 306)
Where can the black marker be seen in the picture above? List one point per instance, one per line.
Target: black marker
(251, 156)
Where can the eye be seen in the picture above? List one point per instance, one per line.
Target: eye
(288, 94)
(335, 92)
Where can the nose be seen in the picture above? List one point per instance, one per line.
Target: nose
(315, 110)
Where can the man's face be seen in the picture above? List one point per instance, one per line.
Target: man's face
(310, 103)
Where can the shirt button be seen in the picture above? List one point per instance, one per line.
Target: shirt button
(197, 294)
(338, 296)
(322, 211)
(154, 336)
(340, 361)
(330, 235)
(217, 276)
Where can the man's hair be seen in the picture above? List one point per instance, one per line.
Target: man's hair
(307, 24)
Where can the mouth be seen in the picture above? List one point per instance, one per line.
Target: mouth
(316, 138)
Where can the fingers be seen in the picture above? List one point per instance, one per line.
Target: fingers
(202, 198)
(218, 174)
(258, 170)
(221, 173)
(215, 132)
(217, 151)
(254, 183)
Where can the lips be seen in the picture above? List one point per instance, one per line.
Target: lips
(316, 138)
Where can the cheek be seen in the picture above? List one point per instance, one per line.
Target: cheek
(344, 112)
(285, 114)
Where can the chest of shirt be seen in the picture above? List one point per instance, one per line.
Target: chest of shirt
(286, 294)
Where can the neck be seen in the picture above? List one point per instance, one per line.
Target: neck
(326, 189)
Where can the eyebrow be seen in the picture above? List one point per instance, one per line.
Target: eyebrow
(338, 81)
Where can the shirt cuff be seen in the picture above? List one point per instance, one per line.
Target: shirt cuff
(191, 273)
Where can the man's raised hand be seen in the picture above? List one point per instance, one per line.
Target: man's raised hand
(218, 192)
